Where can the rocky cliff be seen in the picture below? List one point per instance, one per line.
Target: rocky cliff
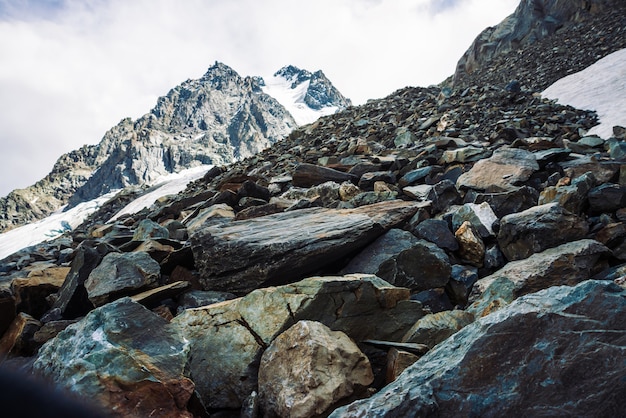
(433, 253)
(216, 119)
(560, 21)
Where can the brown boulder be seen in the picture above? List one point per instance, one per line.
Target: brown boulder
(308, 368)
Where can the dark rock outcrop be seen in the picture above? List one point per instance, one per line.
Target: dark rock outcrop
(532, 21)
(432, 188)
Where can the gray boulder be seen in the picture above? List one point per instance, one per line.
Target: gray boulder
(281, 248)
(149, 229)
(607, 198)
(480, 216)
(403, 260)
(573, 196)
(536, 229)
(308, 368)
(227, 339)
(438, 232)
(389, 244)
(423, 266)
(121, 274)
(567, 264)
(503, 171)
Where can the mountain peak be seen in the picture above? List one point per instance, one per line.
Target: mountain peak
(293, 74)
(306, 95)
(216, 119)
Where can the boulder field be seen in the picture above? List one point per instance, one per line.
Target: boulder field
(438, 252)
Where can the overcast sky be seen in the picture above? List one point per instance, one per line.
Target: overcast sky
(72, 69)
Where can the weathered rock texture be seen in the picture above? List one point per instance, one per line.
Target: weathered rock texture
(448, 182)
(538, 228)
(244, 255)
(212, 120)
(228, 338)
(532, 21)
(120, 274)
(566, 264)
(542, 370)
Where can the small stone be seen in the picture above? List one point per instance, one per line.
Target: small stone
(197, 298)
(18, 340)
(149, 229)
(443, 195)
(434, 328)
(404, 137)
(214, 215)
(536, 229)
(367, 180)
(31, 292)
(397, 362)
(433, 300)
(464, 155)
(437, 232)
(308, 175)
(573, 196)
(414, 176)
(480, 216)
(120, 274)
(504, 170)
(462, 278)
(472, 248)
(607, 198)
(253, 190)
(348, 191)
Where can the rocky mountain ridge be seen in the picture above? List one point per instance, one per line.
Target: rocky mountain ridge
(320, 92)
(436, 251)
(216, 119)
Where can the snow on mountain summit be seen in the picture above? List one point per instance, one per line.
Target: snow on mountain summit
(307, 96)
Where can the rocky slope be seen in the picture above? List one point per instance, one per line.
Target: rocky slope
(216, 119)
(543, 41)
(436, 252)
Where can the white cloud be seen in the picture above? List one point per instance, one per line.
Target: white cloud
(72, 69)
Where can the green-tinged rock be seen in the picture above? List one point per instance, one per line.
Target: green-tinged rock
(228, 338)
(538, 228)
(124, 357)
(559, 351)
(434, 328)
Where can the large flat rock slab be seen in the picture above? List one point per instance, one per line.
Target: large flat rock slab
(282, 248)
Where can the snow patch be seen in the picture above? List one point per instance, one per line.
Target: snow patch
(167, 185)
(49, 228)
(600, 87)
(59, 222)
